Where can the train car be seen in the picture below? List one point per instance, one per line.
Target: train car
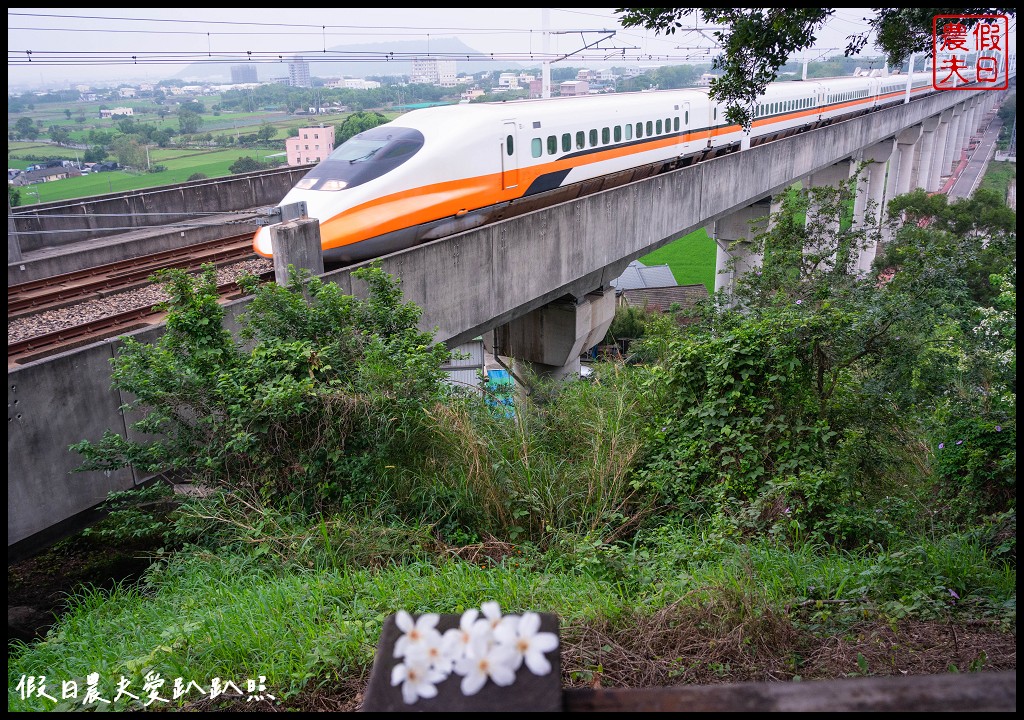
(436, 171)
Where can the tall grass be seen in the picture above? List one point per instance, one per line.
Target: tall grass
(562, 462)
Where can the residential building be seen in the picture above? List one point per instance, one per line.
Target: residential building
(118, 111)
(312, 145)
(354, 84)
(298, 73)
(508, 81)
(574, 87)
(431, 71)
(243, 74)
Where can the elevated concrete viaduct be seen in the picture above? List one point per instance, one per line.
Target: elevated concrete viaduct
(554, 264)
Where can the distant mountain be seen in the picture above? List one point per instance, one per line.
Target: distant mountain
(321, 66)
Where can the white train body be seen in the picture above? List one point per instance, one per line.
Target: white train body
(440, 170)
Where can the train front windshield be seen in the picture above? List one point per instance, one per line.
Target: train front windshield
(363, 157)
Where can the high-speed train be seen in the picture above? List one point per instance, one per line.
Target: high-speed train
(440, 170)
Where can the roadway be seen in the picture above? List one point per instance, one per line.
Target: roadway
(970, 177)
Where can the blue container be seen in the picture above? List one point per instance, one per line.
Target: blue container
(500, 391)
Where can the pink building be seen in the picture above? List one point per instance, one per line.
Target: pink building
(312, 145)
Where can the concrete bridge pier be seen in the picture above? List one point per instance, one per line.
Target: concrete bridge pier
(953, 146)
(901, 173)
(733, 235)
(924, 156)
(935, 173)
(867, 207)
(832, 176)
(550, 339)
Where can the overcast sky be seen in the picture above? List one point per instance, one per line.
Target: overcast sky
(97, 44)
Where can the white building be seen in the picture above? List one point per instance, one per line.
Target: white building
(298, 73)
(431, 71)
(354, 84)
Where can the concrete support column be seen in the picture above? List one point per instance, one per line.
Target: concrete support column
(833, 176)
(973, 120)
(907, 145)
(938, 152)
(952, 157)
(550, 339)
(964, 138)
(724, 275)
(733, 235)
(868, 213)
(925, 155)
(296, 242)
(901, 166)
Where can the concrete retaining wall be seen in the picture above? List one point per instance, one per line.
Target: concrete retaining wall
(60, 223)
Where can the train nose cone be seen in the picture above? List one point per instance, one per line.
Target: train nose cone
(261, 242)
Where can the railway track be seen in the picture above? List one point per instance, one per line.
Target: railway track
(110, 325)
(60, 313)
(76, 287)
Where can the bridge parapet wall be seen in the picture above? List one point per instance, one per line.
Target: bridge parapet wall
(61, 223)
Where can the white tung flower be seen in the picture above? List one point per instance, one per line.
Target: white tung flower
(455, 642)
(529, 644)
(495, 662)
(418, 679)
(416, 635)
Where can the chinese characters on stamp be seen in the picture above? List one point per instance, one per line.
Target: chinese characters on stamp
(969, 52)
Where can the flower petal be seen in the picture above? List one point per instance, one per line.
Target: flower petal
(537, 663)
(404, 621)
(472, 683)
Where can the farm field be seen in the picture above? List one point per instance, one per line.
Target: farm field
(691, 259)
(181, 164)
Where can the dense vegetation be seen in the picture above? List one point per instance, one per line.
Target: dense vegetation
(820, 450)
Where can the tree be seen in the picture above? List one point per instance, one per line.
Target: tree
(95, 154)
(13, 196)
(825, 391)
(357, 123)
(25, 128)
(189, 121)
(129, 152)
(756, 42)
(266, 132)
(60, 135)
(245, 164)
(322, 387)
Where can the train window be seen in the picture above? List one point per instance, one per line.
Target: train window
(566, 142)
(714, 113)
(639, 130)
(617, 133)
(649, 128)
(675, 123)
(510, 147)
(536, 147)
(580, 142)
(686, 118)
(668, 124)
(401, 149)
(552, 144)
(657, 128)
(629, 131)
(606, 136)
(593, 138)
